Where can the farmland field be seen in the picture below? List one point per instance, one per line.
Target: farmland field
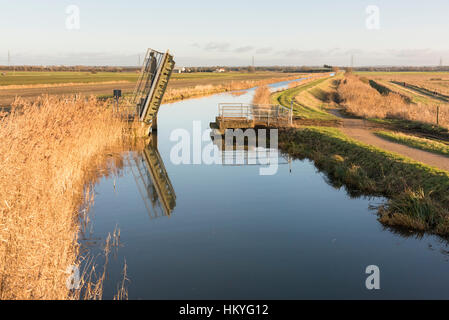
(433, 81)
(59, 77)
(29, 85)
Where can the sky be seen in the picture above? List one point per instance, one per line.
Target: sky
(226, 32)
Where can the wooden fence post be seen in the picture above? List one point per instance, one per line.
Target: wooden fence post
(291, 112)
(438, 115)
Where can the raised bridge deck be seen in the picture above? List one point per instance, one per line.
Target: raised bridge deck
(150, 88)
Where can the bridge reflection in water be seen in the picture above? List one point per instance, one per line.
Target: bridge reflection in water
(153, 182)
(242, 153)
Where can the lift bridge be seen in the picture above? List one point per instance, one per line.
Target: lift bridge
(151, 85)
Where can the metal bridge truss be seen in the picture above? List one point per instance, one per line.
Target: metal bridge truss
(151, 85)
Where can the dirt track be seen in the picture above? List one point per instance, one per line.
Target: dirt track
(362, 131)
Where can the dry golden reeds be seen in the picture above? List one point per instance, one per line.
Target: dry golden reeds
(262, 96)
(50, 149)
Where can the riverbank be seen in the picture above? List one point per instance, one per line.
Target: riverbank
(417, 193)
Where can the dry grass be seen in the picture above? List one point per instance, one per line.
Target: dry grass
(361, 99)
(50, 149)
(431, 81)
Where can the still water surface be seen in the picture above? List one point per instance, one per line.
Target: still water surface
(226, 232)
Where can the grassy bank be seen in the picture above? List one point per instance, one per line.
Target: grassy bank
(418, 198)
(300, 110)
(50, 150)
(415, 142)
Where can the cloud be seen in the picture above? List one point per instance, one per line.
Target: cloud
(411, 53)
(353, 51)
(318, 53)
(302, 53)
(217, 46)
(243, 49)
(264, 50)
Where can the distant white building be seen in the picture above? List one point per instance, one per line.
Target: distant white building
(179, 69)
(220, 70)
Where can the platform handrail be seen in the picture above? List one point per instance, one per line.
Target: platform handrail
(251, 112)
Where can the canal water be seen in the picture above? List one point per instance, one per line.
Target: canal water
(197, 231)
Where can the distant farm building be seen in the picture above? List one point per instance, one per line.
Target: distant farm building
(220, 70)
(179, 69)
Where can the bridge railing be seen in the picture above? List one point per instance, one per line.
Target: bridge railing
(254, 112)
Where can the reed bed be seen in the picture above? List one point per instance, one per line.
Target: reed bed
(362, 100)
(50, 149)
(262, 96)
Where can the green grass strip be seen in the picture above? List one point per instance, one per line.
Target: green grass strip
(285, 97)
(415, 142)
